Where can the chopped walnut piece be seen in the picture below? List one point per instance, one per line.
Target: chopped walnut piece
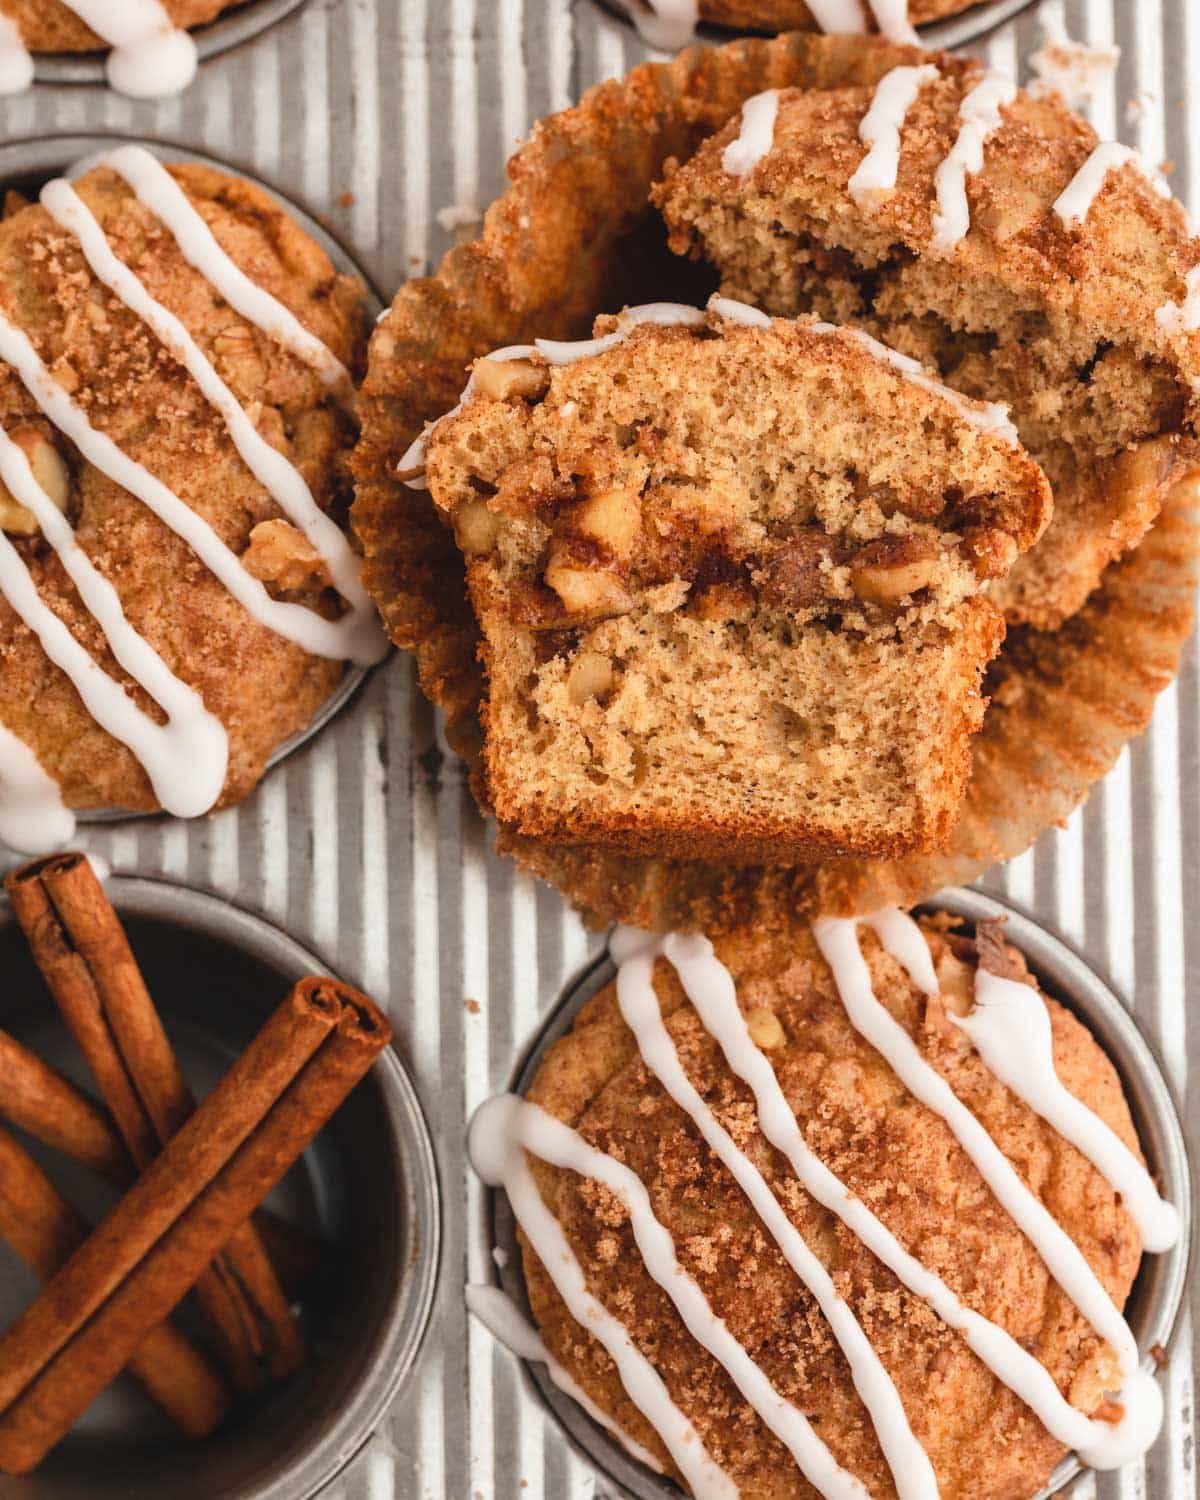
(588, 591)
(590, 676)
(49, 470)
(476, 526)
(502, 379)
(765, 1028)
(283, 556)
(884, 572)
(992, 552)
(613, 517)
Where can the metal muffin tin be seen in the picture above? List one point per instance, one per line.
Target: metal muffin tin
(394, 119)
(1158, 1292)
(27, 165)
(230, 30)
(368, 1183)
(953, 32)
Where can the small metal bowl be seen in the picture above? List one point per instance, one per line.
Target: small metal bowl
(27, 165)
(368, 1185)
(226, 31)
(952, 32)
(1158, 1291)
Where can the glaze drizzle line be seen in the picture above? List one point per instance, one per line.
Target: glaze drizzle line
(150, 57)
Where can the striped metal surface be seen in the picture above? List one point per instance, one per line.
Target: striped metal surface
(384, 114)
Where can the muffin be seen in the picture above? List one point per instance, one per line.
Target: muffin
(733, 1096)
(729, 578)
(894, 20)
(59, 26)
(575, 235)
(178, 595)
(1053, 278)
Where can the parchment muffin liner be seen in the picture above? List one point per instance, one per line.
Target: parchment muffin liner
(573, 236)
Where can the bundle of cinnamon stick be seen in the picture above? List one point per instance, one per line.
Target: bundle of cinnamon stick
(193, 1177)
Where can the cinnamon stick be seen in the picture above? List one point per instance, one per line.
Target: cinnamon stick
(142, 1259)
(49, 1107)
(44, 1230)
(81, 949)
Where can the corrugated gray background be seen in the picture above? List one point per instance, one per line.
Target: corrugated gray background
(394, 118)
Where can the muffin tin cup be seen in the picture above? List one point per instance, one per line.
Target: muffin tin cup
(1158, 1292)
(26, 165)
(218, 36)
(371, 1169)
(952, 32)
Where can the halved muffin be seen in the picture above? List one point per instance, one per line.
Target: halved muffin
(729, 576)
(1073, 318)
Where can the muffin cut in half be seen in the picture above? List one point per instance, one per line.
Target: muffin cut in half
(992, 235)
(797, 1177)
(729, 575)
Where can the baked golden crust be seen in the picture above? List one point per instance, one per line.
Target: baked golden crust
(50, 26)
(1059, 322)
(262, 687)
(892, 1153)
(571, 237)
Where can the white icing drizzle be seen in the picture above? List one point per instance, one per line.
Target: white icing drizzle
(979, 114)
(891, 16)
(504, 1321)
(1010, 1027)
(1075, 201)
(738, 312)
(186, 758)
(158, 191)
(273, 470)
(150, 58)
(346, 638)
(880, 129)
(1182, 317)
(988, 416)
(664, 314)
(554, 352)
(665, 24)
(639, 1006)
(1108, 1445)
(500, 1132)
(16, 64)
(756, 135)
(33, 817)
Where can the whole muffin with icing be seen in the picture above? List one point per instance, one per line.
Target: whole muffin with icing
(730, 576)
(1057, 277)
(59, 26)
(775, 1002)
(242, 438)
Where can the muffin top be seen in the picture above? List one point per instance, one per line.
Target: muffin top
(235, 445)
(892, 1155)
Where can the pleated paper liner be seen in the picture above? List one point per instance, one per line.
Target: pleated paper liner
(573, 236)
